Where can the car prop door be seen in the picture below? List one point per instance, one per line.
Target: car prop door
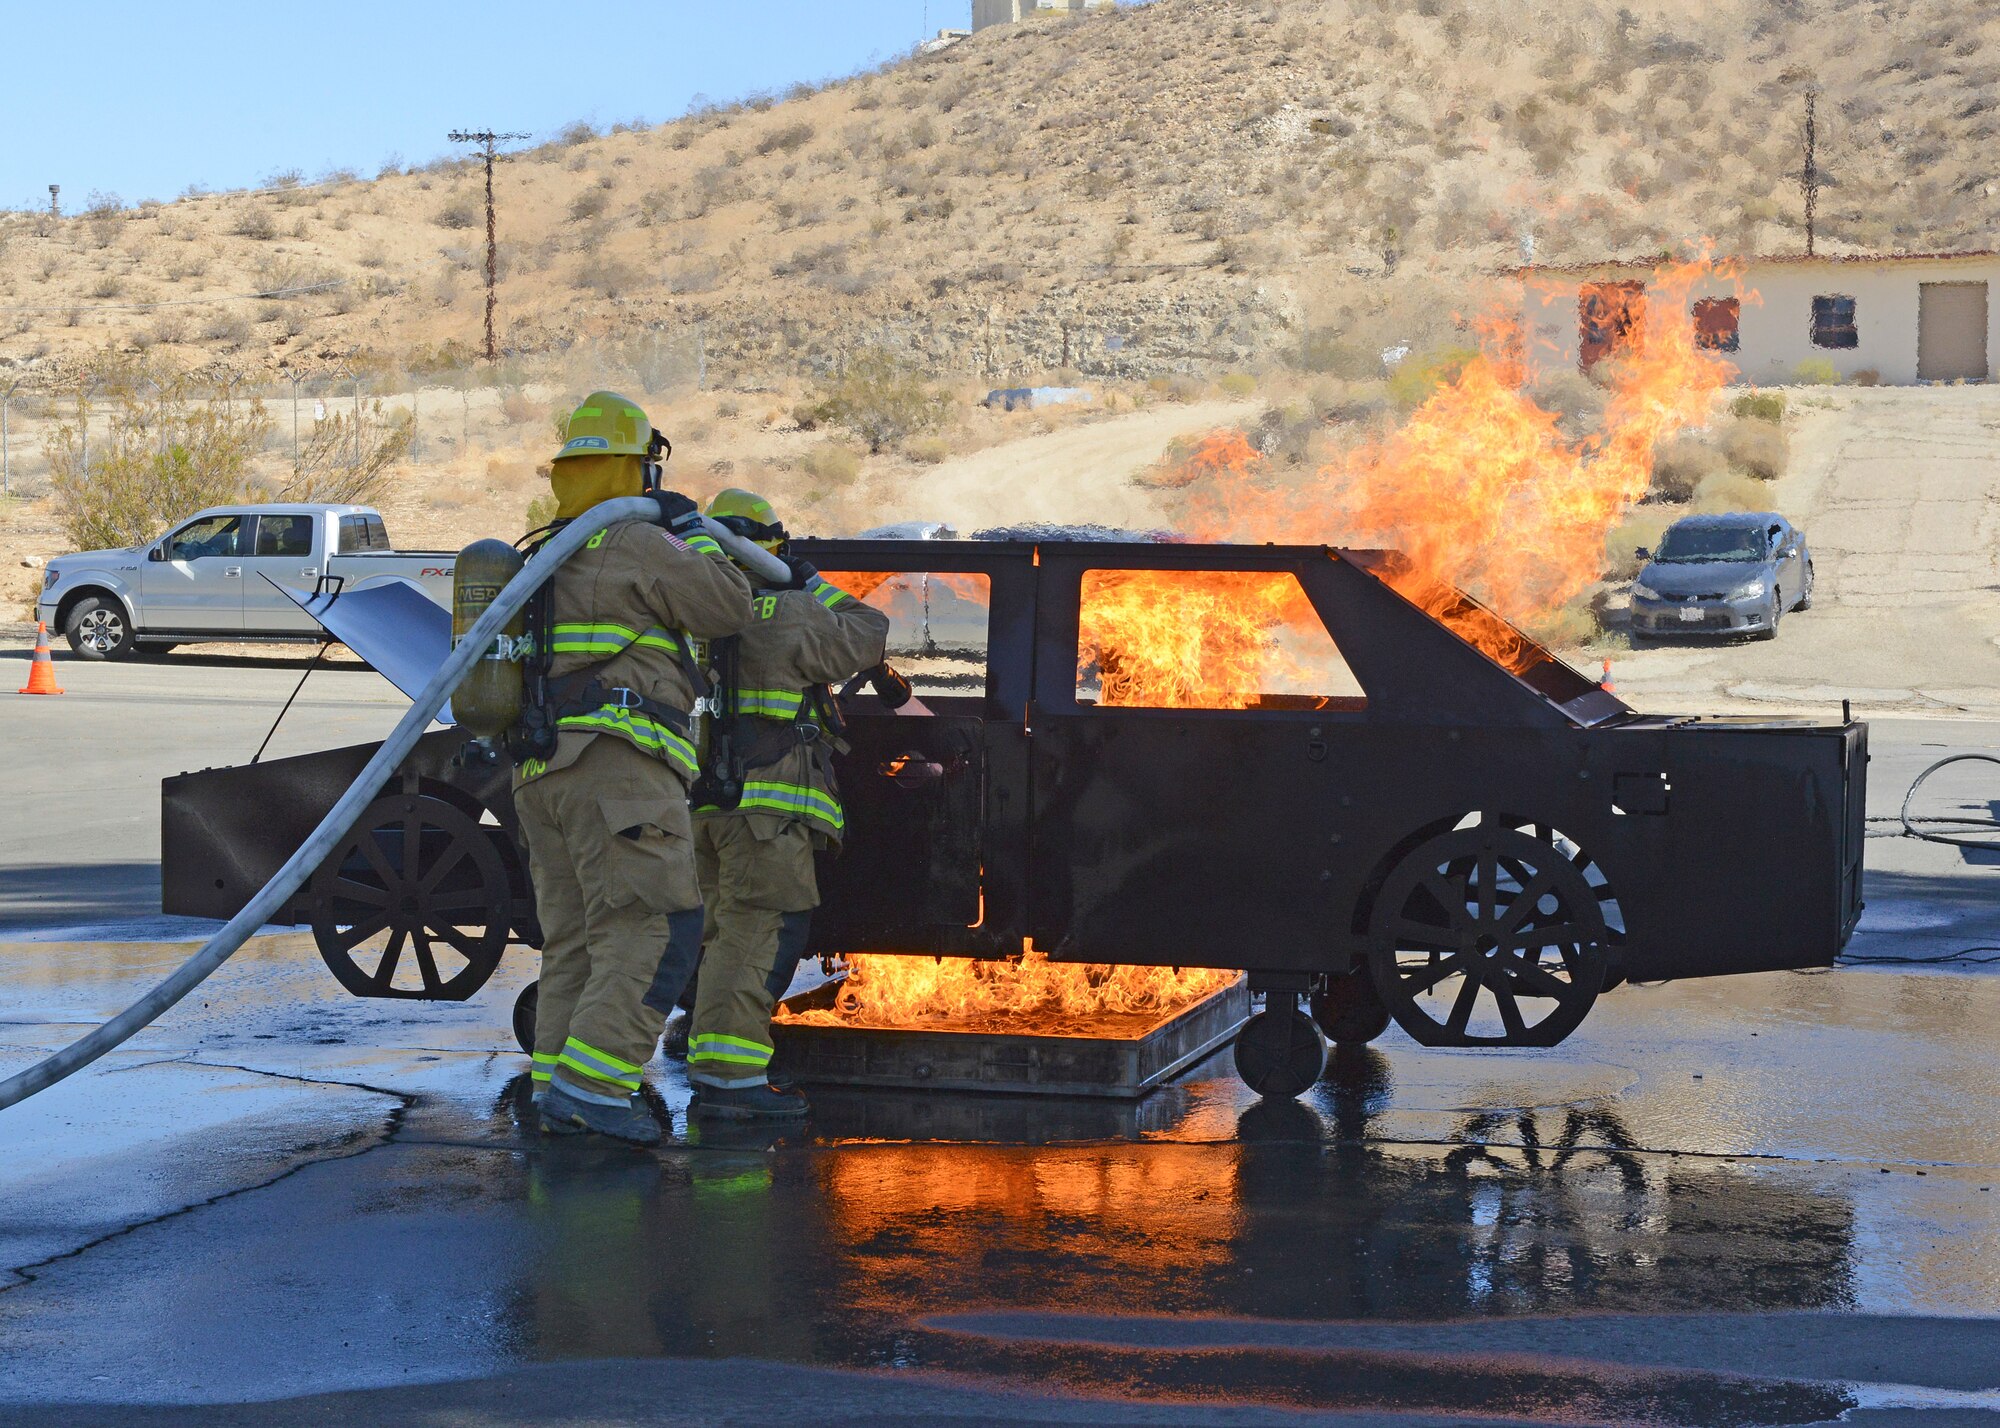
(909, 874)
(907, 877)
(193, 578)
(1183, 785)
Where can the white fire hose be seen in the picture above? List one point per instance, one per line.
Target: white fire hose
(314, 851)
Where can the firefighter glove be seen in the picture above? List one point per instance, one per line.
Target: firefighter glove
(677, 513)
(804, 572)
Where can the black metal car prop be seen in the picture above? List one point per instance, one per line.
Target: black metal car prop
(1475, 845)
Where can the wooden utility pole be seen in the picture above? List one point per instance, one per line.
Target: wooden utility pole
(486, 139)
(1809, 180)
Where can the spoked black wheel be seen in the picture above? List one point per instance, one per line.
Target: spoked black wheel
(1488, 936)
(524, 1016)
(1279, 1052)
(1350, 1010)
(414, 902)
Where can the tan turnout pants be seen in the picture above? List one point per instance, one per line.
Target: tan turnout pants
(611, 854)
(748, 883)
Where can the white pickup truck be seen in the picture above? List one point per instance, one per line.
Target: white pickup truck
(213, 577)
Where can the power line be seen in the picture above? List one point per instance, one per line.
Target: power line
(486, 139)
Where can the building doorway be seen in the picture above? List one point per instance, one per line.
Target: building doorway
(1951, 332)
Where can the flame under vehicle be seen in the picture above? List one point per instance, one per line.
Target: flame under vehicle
(1313, 765)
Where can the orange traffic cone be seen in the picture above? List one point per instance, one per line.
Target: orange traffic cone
(1605, 683)
(42, 673)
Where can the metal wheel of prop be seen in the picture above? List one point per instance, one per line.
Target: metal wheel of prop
(1350, 1010)
(524, 1016)
(414, 902)
(1488, 936)
(1279, 1052)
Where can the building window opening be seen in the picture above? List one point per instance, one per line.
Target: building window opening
(1717, 324)
(1608, 315)
(1833, 322)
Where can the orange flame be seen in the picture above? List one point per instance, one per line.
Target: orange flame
(1182, 639)
(970, 994)
(1480, 490)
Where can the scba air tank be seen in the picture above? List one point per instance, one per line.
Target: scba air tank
(488, 702)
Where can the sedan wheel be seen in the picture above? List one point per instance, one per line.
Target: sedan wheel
(96, 629)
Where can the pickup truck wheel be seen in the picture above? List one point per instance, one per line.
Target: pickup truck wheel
(1487, 936)
(96, 628)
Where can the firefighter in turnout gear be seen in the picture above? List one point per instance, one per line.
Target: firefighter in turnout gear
(604, 756)
(766, 802)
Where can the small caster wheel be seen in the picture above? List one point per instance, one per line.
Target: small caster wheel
(1279, 1052)
(524, 1016)
(1350, 1010)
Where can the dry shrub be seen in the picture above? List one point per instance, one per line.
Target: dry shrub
(832, 464)
(1758, 447)
(881, 399)
(460, 212)
(1683, 463)
(164, 453)
(256, 222)
(589, 204)
(1731, 491)
(335, 467)
(1759, 406)
(789, 139)
(1238, 384)
(929, 450)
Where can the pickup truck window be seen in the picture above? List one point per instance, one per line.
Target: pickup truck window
(284, 535)
(359, 533)
(1207, 639)
(937, 625)
(212, 535)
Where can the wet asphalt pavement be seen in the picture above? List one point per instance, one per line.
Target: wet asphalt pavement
(1765, 1200)
(1757, 1200)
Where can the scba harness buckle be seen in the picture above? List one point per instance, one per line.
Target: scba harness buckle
(623, 698)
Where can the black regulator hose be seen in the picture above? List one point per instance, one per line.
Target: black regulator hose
(288, 879)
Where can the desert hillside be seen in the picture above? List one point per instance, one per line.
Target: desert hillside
(1187, 185)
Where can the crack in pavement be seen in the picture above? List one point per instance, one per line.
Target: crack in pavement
(405, 1102)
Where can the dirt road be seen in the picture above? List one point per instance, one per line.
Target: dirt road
(1080, 475)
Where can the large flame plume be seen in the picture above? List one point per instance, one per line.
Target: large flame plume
(1479, 489)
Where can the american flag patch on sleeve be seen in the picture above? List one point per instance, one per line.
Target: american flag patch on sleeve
(677, 543)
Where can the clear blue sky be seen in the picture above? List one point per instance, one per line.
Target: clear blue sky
(142, 98)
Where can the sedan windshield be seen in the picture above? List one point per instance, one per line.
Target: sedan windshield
(1693, 543)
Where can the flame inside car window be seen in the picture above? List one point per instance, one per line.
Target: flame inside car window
(1207, 639)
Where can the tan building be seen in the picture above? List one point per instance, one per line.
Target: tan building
(1924, 317)
(987, 13)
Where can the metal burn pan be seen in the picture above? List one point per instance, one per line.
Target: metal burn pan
(1025, 1063)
